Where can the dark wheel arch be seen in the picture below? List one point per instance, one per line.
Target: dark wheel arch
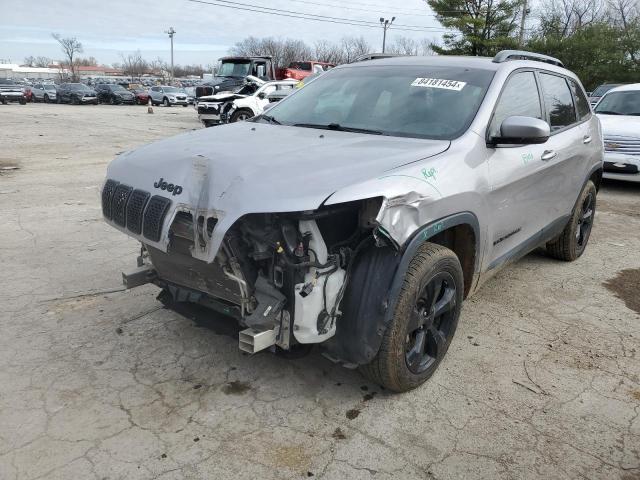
(376, 280)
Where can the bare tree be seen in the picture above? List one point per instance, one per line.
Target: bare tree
(404, 46)
(325, 51)
(282, 51)
(70, 47)
(29, 61)
(353, 47)
(134, 65)
(625, 14)
(42, 62)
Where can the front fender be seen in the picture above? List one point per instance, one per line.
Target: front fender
(372, 292)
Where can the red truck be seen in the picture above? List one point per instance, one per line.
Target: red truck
(301, 70)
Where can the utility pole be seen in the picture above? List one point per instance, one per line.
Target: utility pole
(385, 26)
(525, 11)
(171, 32)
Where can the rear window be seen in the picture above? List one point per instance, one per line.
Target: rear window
(558, 101)
(582, 104)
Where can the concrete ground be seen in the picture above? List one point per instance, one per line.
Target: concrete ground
(542, 379)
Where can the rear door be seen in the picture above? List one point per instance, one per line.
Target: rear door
(565, 151)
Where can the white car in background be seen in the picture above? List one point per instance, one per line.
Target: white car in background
(619, 114)
(246, 102)
(44, 92)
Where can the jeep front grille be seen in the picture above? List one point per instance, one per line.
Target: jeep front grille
(119, 204)
(107, 195)
(154, 216)
(135, 209)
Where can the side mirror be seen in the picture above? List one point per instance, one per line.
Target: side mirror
(517, 130)
(262, 95)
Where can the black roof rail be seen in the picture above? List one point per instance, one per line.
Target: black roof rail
(505, 55)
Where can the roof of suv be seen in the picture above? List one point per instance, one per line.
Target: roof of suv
(482, 63)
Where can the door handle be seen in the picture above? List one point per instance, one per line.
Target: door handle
(548, 155)
(586, 139)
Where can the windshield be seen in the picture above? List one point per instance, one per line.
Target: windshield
(171, 90)
(602, 89)
(117, 88)
(78, 86)
(49, 87)
(620, 103)
(233, 69)
(433, 102)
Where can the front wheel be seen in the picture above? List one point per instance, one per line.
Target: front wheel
(166, 103)
(424, 322)
(241, 116)
(572, 242)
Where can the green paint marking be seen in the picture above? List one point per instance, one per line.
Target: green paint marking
(415, 178)
(431, 173)
(526, 158)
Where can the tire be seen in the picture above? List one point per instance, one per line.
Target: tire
(185, 105)
(75, 100)
(241, 115)
(572, 242)
(165, 102)
(408, 356)
(112, 101)
(45, 99)
(23, 101)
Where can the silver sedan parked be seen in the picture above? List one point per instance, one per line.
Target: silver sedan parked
(44, 92)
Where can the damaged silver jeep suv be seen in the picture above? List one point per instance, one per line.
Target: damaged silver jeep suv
(360, 211)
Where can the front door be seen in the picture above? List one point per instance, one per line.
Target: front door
(519, 177)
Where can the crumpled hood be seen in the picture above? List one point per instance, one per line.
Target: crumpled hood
(624, 125)
(249, 167)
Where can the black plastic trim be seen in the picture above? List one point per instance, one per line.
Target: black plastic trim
(135, 210)
(119, 204)
(107, 195)
(154, 214)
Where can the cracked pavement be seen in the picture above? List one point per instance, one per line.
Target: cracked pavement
(541, 381)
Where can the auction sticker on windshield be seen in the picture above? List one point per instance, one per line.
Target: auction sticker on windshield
(438, 83)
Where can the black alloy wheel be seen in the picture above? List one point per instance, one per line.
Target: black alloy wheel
(585, 221)
(431, 323)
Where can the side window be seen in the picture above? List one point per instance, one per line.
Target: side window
(582, 104)
(519, 97)
(558, 101)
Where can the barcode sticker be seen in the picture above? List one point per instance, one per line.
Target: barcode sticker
(438, 83)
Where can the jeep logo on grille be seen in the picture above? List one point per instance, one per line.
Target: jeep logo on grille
(169, 187)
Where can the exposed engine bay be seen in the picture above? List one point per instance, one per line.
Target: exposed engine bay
(280, 275)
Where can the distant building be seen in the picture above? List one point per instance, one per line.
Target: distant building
(17, 72)
(97, 71)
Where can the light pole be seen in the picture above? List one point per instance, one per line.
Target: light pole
(171, 32)
(385, 26)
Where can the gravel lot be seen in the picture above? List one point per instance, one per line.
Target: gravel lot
(541, 381)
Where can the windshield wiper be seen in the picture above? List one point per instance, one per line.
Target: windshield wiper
(269, 119)
(608, 112)
(338, 127)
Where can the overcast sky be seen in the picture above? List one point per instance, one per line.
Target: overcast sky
(205, 32)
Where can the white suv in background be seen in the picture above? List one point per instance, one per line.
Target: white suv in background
(619, 113)
(167, 96)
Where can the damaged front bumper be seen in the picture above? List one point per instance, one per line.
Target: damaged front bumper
(282, 276)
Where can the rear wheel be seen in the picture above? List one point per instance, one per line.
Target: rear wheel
(424, 321)
(572, 242)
